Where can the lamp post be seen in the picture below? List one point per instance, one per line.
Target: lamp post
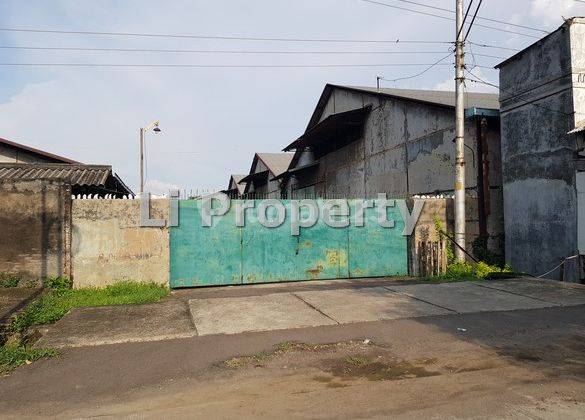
(154, 127)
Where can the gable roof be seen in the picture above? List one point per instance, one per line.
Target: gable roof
(276, 163)
(432, 97)
(46, 155)
(235, 179)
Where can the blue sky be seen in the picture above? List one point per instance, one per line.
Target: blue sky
(213, 120)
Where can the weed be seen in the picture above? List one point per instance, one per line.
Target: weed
(54, 304)
(483, 253)
(58, 283)
(287, 346)
(240, 362)
(440, 229)
(357, 361)
(9, 280)
(483, 270)
(13, 356)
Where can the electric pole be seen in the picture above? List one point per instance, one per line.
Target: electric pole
(154, 127)
(459, 136)
(141, 161)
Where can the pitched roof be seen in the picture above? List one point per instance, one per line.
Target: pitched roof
(42, 153)
(433, 97)
(276, 163)
(236, 180)
(436, 97)
(74, 174)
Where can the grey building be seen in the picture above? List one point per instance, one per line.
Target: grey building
(261, 182)
(362, 141)
(542, 93)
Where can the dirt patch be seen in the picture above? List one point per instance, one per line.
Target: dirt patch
(338, 364)
(378, 369)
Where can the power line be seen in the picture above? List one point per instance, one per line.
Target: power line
(472, 20)
(437, 63)
(30, 48)
(493, 46)
(215, 65)
(516, 95)
(447, 18)
(479, 17)
(219, 37)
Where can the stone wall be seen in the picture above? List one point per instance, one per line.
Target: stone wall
(35, 228)
(109, 245)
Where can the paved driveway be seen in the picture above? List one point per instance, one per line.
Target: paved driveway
(249, 309)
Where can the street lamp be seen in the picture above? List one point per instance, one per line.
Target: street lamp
(155, 128)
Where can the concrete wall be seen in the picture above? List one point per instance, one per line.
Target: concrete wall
(35, 228)
(406, 149)
(108, 244)
(540, 198)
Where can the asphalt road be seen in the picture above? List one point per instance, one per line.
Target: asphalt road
(527, 363)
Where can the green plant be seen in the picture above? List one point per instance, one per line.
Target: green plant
(54, 304)
(460, 271)
(483, 270)
(12, 356)
(440, 229)
(58, 282)
(482, 252)
(9, 280)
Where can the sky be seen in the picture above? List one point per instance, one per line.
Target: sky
(213, 120)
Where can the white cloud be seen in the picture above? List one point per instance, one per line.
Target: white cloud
(551, 12)
(156, 187)
(213, 120)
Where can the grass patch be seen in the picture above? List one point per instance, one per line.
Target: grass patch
(8, 280)
(13, 356)
(59, 300)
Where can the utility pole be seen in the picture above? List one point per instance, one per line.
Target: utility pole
(141, 161)
(154, 127)
(459, 136)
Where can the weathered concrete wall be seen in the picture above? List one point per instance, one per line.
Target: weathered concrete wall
(108, 244)
(407, 149)
(35, 228)
(540, 199)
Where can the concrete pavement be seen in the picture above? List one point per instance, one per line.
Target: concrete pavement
(524, 363)
(195, 314)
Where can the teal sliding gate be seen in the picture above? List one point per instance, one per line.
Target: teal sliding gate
(225, 254)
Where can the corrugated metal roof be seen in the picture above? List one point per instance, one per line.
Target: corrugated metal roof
(277, 163)
(338, 129)
(433, 97)
(94, 175)
(438, 97)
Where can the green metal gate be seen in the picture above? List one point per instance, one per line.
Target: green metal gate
(225, 254)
